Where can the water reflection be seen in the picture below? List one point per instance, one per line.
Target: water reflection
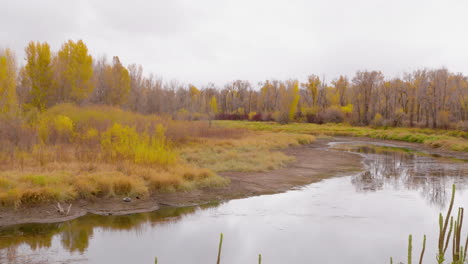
(75, 235)
(388, 166)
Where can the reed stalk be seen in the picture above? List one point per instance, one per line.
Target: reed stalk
(219, 248)
(443, 224)
(423, 250)
(410, 249)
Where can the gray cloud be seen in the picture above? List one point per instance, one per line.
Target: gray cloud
(209, 40)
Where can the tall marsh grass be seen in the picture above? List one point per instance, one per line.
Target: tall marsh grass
(254, 152)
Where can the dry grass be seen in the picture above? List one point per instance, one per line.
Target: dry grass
(254, 152)
(69, 181)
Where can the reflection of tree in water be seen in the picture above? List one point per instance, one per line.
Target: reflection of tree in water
(400, 168)
(75, 234)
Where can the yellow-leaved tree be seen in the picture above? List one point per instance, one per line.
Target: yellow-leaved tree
(213, 105)
(294, 93)
(194, 97)
(37, 74)
(312, 87)
(213, 108)
(118, 81)
(8, 98)
(75, 68)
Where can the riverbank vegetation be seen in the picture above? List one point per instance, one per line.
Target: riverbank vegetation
(437, 138)
(69, 152)
(73, 126)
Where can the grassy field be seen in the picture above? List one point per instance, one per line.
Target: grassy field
(446, 139)
(71, 152)
(253, 152)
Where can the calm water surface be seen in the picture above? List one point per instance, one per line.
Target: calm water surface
(361, 218)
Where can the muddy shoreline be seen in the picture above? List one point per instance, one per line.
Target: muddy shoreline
(313, 163)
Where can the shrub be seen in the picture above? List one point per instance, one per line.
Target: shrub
(377, 121)
(268, 117)
(234, 116)
(310, 114)
(56, 129)
(282, 117)
(463, 126)
(347, 109)
(399, 117)
(123, 142)
(15, 134)
(332, 115)
(443, 120)
(256, 117)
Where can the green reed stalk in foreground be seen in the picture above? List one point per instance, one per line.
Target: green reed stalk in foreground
(410, 249)
(458, 251)
(219, 248)
(423, 250)
(218, 261)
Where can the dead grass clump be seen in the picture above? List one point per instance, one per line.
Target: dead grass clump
(110, 184)
(17, 188)
(182, 131)
(255, 152)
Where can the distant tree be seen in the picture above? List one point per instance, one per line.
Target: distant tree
(294, 94)
(213, 108)
(312, 86)
(365, 85)
(37, 75)
(75, 72)
(8, 97)
(213, 105)
(118, 83)
(341, 86)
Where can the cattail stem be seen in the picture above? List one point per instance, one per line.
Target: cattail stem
(466, 247)
(219, 248)
(410, 249)
(422, 251)
(443, 225)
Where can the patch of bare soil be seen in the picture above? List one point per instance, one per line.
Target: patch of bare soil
(313, 163)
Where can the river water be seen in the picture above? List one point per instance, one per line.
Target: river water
(361, 218)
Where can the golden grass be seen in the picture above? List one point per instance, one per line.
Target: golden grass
(68, 181)
(254, 152)
(446, 139)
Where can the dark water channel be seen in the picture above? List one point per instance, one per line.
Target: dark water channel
(361, 218)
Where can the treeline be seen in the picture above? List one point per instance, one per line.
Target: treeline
(426, 98)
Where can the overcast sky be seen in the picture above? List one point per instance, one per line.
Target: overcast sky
(202, 41)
